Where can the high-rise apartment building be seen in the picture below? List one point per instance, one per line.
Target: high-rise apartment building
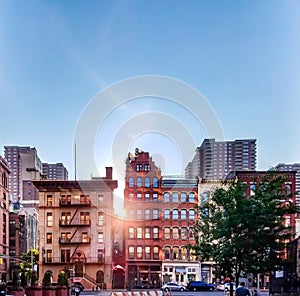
(78, 230)
(55, 171)
(24, 164)
(213, 160)
(4, 220)
(160, 213)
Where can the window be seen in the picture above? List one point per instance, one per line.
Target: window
(139, 167)
(192, 214)
(65, 255)
(182, 197)
(100, 255)
(139, 232)
(85, 238)
(139, 182)
(184, 253)
(288, 189)
(175, 215)
(191, 197)
(147, 196)
(100, 199)
(166, 197)
(155, 252)
(85, 218)
(183, 214)
(65, 237)
(155, 214)
(139, 196)
(49, 220)
(131, 182)
(147, 252)
(166, 214)
(175, 253)
(100, 237)
(155, 182)
(147, 232)
(100, 218)
(147, 168)
(155, 232)
(131, 195)
(131, 252)
(167, 233)
(155, 197)
(139, 252)
(167, 253)
(204, 197)
(252, 189)
(183, 231)
(131, 232)
(139, 214)
(147, 214)
(49, 200)
(49, 238)
(49, 256)
(147, 182)
(175, 232)
(175, 197)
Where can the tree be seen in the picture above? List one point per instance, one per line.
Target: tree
(245, 234)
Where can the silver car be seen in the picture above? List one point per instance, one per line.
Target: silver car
(173, 287)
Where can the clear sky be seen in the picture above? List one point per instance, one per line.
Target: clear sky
(242, 56)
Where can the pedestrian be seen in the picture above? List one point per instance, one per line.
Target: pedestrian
(242, 291)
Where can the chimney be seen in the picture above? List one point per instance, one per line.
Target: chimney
(108, 173)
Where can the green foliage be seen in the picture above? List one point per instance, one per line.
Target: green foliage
(29, 259)
(63, 279)
(245, 233)
(47, 279)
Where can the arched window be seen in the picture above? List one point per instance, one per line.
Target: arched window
(155, 182)
(147, 182)
(184, 253)
(183, 214)
(167, 214)
(166, 197)
(167, 253)
(182, 197)
(175, 197)
(138, 182)
(131, 232)
(147, 252)
(175, 232)
(131, 182)
(191, 197)
(155, 252)
(139, 252)
(191, 214)
(175, 215)
(176, 253)
(131, 252)
(183, 233)
(167, 233)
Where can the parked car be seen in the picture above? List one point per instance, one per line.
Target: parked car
(173, 287)
(200, 286)
(225, 287)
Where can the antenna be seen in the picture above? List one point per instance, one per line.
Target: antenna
(75, 161)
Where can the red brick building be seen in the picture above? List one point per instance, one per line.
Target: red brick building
(159, 213)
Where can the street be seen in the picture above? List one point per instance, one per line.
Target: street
(186, 293)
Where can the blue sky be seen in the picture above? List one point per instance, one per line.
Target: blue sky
(242, 56)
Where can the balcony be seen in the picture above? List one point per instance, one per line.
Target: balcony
(86, 260)
(85, 202)
(74, 223)
(74, 241)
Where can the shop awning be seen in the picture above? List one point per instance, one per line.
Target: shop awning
(180, 269)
